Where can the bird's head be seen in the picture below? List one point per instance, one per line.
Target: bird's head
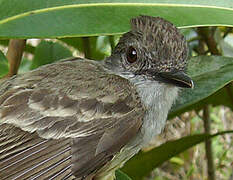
(155, 50)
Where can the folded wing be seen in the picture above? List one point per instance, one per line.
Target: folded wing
(71, 115)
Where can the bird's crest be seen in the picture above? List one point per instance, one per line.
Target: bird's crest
(152, 24)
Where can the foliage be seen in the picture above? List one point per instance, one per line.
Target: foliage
(161, 154)
(30, 19)
(47, 52)
(72, 21)
(3, 64)
(210, 74)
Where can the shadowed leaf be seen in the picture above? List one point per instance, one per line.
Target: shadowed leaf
(47, 52)
(121, 176)
(210, 74)
(3, 64)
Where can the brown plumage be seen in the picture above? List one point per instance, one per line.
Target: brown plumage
(70, 120)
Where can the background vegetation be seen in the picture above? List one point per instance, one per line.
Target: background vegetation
(91, 28)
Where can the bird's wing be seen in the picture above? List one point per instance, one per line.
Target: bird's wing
(73, 110)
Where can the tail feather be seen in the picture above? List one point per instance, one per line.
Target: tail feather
(27, 156)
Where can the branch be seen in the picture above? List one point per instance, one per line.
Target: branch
(111, 41)
(229, 91)
(14, 55)
(208, 144)
(207, 35)
(86, 47)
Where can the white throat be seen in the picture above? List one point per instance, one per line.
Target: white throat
(158, 99)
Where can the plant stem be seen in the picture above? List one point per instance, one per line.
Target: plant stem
(207, 36)
(111, 41)
(86, 47)
(14, 55)
(208, 144)
(229, 88)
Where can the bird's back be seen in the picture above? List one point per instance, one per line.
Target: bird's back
(62, 120)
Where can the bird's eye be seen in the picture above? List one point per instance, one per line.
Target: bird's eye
(131, 54)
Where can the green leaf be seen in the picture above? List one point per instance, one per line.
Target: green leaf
(75, 42)
(3, 64)
(47, 52)
(97, 47)
(143, 163)
(56, 18)
(210, 74)
(100, 47)
(4, 42)
(121, 176)
(223, 96)
(177, 160)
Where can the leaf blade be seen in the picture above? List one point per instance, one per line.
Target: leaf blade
(210, 74)
(47, 52)
(144, 163)
(3, 64)
(102, 16)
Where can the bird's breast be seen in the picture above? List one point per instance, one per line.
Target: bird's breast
(158, 99)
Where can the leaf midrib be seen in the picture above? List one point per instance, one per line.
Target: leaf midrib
(107, 4)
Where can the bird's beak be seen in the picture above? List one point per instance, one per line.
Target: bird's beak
(177, 78)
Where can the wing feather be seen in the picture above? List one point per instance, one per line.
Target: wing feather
(27, 156)
(69, 118)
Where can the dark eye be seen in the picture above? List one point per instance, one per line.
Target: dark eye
(131, 54)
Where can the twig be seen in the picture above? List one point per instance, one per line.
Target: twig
(14, 55)
(229, 91)
(86, 47)
(193, 39)
(207, 35)
(201, 47)
(111, 41)
(208, 144)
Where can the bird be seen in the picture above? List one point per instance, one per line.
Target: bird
(83, 119)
